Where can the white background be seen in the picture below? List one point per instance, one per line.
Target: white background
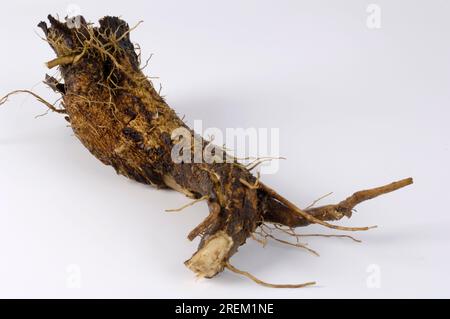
(356, 107)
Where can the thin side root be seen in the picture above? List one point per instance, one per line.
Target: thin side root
(291, 232)
(261, 160)
(251, 186)
(263, 242)
(268, 234)
(40, 99)
(318, 200)
(263, 283)
(188, 204)
(312, 251)
(203, 226)
(329, 236)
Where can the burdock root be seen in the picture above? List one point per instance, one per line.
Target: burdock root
(117, 114)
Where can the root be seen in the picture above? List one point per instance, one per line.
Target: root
(46, 112)
(291, 232)
(126, 33)
(260, 160)
(318, 200)
(251, 186)
(283, 212)
(329, 236)
(68, 59)
(42, 115)
(203, 226)
(40, 99)
(263, 283)
(265, 234)
(263, 241)
(312, 251)
(188, 204)
(133, 133)
(146, 62)
(307, 216)
(364, 195)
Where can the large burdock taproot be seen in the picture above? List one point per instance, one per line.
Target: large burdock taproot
(117, 114)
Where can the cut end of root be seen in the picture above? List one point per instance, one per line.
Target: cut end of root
(209, 260)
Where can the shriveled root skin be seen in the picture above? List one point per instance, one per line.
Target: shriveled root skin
(121, 119)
